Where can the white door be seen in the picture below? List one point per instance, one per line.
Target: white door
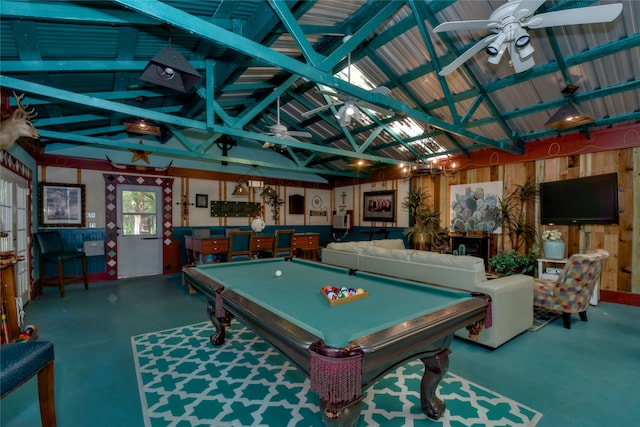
(13, 225)
(139, 231)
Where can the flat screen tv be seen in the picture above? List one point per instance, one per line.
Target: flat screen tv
(588, 200)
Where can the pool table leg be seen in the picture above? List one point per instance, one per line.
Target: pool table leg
(435, 367)
(346, 416)
(217, 338)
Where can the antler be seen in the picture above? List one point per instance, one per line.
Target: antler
(19, 124)
(22, 111)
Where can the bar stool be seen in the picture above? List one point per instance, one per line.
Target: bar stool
(52, 250)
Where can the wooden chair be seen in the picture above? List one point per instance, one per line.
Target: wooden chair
(20, 362)
(239, 246)
(282, 244)
(52, 250)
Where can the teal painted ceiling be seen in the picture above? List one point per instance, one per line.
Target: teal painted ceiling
(79, 64)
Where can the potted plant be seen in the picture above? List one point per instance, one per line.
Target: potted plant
(425, 221)
(514, 262)
(515, 210)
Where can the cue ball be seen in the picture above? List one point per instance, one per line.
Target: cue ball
(278, 273)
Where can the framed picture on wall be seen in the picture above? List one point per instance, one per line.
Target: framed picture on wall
(202, 200)
(61, 205)
(379, 206)
(475, 207)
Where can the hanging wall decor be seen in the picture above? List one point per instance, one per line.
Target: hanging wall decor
(234, 209)
(61, 205)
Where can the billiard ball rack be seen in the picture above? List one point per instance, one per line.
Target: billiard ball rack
(339, 301)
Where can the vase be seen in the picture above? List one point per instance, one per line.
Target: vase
(553, 249)
(421, 241)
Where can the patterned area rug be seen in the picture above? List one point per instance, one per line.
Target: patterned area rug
(184, 381)
(542, 316)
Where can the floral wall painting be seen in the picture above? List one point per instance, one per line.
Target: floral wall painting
(474, 207)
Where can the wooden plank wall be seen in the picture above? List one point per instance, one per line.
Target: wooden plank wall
(621, 272)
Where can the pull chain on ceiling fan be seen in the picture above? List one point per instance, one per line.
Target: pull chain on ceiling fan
(280, 131)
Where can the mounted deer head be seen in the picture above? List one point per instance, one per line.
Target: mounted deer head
(19, 124)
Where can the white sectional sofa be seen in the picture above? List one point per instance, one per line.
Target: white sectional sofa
(512, 296)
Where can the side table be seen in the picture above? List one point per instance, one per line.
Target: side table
(547, 267)
(545, 271)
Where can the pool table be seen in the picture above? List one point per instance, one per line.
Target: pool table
(344, 348)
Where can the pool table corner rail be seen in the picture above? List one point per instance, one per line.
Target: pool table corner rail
(194, 277)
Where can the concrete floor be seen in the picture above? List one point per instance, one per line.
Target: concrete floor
(586, 376)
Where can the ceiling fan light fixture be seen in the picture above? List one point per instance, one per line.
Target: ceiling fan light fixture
(569, 116)
(526, 51)
(170, 69)
(495, 59)
(496, 46)
(492, 49)
(349, 109)
(523, 40)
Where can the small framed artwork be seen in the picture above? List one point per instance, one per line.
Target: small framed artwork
(61, 205)
(296, 204)
(202, 200)
(379, 206)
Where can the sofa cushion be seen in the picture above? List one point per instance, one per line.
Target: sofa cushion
(388, 243)
(469, 263)
(400, 254)
(357, 247)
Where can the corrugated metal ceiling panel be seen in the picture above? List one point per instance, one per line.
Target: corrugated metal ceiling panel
(476, 103)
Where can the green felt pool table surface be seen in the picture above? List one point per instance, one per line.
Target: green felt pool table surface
(296, 296)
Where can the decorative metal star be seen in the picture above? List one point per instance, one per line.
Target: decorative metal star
(140, 154)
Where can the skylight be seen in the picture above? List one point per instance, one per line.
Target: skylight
(407, 128)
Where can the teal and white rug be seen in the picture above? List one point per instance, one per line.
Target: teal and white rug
(184, 381)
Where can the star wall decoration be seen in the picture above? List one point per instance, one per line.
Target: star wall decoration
(140, 154)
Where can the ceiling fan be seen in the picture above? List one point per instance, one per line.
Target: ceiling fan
(349, 105)
(280, 131)
(508, 22)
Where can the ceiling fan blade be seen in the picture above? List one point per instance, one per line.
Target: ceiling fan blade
(583, 15)
(370, 106)
(328, 93)
(299, 134)
(321, 108)
(382, 90)
(468, 54)
(482, 24)
(276, 127)
(520, 64)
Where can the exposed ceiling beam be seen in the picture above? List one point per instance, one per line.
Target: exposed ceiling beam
(180, 19)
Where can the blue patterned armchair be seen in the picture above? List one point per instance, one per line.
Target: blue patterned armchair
(571, 292)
